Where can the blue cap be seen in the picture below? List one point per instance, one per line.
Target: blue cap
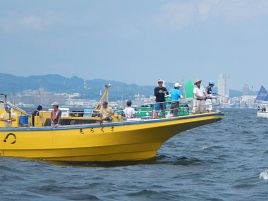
(211, 82)
(7, 107)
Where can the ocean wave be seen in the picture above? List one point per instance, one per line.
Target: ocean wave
(150, 195)
(264, 174)
(211, 147)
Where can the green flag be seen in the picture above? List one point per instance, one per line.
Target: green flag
(189, 87)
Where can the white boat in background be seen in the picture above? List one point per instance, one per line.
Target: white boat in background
(262, 114)
(262, 100)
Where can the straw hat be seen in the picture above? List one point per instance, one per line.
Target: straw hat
(197, 81)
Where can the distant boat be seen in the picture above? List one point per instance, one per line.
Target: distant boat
(262, 101)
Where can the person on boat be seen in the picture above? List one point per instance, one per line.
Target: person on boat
(209, 96)
(36, 113)
(199, 97)
(55, 115)
(129, 112)
(8, 117)
(160, 92)
(106, 112)
(176, 95)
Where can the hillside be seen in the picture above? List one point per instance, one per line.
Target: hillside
(59, 84)
(88, 89)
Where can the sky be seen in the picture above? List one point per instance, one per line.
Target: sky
(137, 41)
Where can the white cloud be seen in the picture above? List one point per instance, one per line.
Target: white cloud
(15, 21)
(178, 14)
(34, 22)
(204, 8)
(243, 9)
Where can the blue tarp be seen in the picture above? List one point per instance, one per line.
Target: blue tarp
(262, 95)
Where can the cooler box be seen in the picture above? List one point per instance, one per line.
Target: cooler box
(23, 120)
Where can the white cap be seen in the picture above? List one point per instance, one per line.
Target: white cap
(177, 85)
(55, 104)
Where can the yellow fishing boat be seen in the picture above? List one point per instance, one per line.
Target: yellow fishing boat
(116, 141)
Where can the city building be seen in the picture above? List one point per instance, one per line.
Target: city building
(223, 88)
(246, 90)
(38, 97)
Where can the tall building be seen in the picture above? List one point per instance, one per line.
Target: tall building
(246, 90)
(223, 86)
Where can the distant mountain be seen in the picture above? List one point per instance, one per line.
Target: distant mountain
(88, 89)
(52, 82)
(236, 93)
(59, 84)
(119, 90)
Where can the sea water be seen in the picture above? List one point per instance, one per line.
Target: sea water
(227, 160)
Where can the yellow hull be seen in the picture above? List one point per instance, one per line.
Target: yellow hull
(94, 142)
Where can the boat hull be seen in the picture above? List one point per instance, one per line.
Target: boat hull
(98, 142)
(262, 114)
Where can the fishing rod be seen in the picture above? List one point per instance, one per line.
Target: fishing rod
(5, 105)
(5, 97)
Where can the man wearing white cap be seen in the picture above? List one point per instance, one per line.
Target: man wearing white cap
(199, 97)
(175, 99)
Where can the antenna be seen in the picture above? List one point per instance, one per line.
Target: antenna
(104, 97)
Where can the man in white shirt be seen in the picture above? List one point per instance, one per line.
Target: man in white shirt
(129, 112)
(199, 97)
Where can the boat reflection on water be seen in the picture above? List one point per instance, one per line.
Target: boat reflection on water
(159, 159)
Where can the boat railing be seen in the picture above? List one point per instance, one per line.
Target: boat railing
(186, 107)
(17, 108)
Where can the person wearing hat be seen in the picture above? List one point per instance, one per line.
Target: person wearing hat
(209, 87)
(176, 95)
(210, 96)
(36, 113)
(129, 111)
(55, 115)
(160, 92)
(106, 112)
(199, 97)
(7, 117)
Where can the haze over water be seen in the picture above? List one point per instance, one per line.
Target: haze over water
(222, 161)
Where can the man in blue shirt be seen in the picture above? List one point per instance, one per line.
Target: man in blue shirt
(175, 99)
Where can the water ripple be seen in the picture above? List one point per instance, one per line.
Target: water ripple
(222, 161)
